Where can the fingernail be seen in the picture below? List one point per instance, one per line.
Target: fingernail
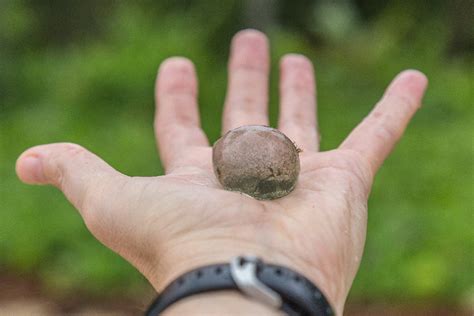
(30, 170)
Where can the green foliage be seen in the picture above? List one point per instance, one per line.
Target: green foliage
(98, 92)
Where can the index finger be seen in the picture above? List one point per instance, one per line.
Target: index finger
(177, 123)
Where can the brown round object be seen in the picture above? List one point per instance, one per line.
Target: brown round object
(257, 160)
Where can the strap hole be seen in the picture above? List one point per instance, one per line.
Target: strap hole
(278, 272)
(297, 278)
(199, 274)
(218, 270)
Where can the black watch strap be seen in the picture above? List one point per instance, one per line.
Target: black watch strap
(274, 285)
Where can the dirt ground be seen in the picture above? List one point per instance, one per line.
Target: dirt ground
(24, 297)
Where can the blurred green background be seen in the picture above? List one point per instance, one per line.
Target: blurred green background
(84, 71)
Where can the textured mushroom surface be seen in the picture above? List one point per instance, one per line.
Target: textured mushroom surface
(257, 160)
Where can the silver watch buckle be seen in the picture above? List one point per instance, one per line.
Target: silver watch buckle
(244, 272)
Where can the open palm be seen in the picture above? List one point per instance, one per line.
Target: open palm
(169, 224)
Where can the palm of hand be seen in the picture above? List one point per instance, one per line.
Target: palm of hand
(166, 225)
(319, 227)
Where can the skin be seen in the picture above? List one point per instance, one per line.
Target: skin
(169, 224)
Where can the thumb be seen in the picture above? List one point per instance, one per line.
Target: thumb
(83, 177)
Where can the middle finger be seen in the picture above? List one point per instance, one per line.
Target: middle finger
(247, 91)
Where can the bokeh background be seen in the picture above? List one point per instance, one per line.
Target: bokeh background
(84, 71)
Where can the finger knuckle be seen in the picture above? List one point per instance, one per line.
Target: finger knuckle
(55, 168)
(386, 133)
(71, 150)
(402, 101)
(384, 126)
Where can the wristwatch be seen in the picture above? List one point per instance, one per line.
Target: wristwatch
(273, 285)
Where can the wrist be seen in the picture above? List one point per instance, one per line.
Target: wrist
(219, 303)
(185, 256)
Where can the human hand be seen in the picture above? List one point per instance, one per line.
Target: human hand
(170, 224)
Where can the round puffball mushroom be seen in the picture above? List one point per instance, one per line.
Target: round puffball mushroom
(256, 160)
